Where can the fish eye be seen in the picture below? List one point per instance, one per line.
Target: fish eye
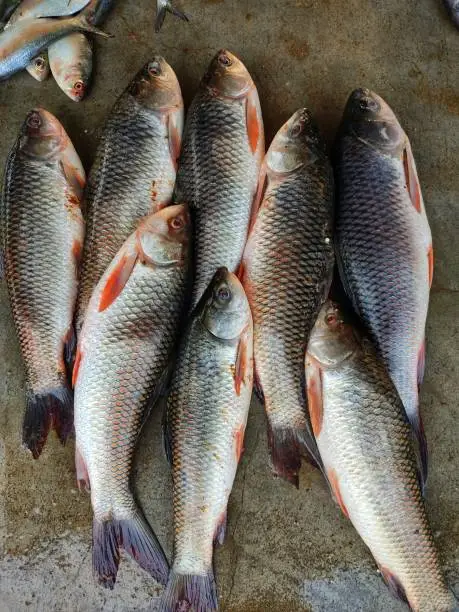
(154, 69)
(34, 121)
(297, 128)
(79, 86)
(224, 294)
(177, 223)
(368, 104)
(331, 318)
(224, 60)
(39, 63)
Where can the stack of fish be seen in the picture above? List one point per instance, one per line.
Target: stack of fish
(205, 272)
(50, 35)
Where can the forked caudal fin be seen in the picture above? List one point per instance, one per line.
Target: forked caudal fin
(52, 409)
(136, 538)
(288, 446)
(186, 592)
(168, 7)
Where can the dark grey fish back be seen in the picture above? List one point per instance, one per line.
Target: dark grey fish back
(217, 178)
(121, 186)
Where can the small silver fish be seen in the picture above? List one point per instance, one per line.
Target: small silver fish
(39, 68)
(70, 59)
(20, 43)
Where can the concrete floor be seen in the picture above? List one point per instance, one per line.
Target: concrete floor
(286, 550)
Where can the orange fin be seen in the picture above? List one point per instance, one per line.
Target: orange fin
(74, 179)
(430, 259)
(254, 121)
(117, 280)
(411, 177)
(175, 139)
(76, 367)
(334, 485)
(239, 441)
(81, 471)
(243, 368)
(393, 583)
(315, 399)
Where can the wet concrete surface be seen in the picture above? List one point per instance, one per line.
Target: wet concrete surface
(286, 550)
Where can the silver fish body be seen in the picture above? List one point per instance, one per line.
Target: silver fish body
(367, 449)
(222, 150)
(147, 121)
(384, 242)
(70, 60)
(206, 417)
(42, 235)
(24, 40)
(125, 345)
(286, 272)
(34, 9)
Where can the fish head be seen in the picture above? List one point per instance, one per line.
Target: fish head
(227, 76)
(296, 144)
(42, 135)
(156, 86)
(225, 310)
(39, 67)
(332, 339)
(368, 117)
(164, 237)
(75, 87)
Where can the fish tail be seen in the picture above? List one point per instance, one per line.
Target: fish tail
(161, 14)
(287, 447)
(186, 592)
(85, 25)
(52, 409)
(105, 552)
(136, 538)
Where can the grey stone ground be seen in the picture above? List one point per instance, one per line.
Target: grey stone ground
(286, 550)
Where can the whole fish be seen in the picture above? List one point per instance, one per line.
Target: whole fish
(286, 273)
(452, 7)
(39, 68)
(223, 145)
(33, 9)
(206, 417)
(42, 235)
(24, 40)
(384, 242)
(125, 345)
(366, 446)
(134, 169)
(70, 60)
(164, 6)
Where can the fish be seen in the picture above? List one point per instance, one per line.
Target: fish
(366, 445)
(147, 122)
(24, 40)
(384, 243)
(164, 6)
(452, 6)
(223, 146)
(39, 67)
(42, 240)
(126, 343)
(34, 9)
(286, 271)
(205, 422)
(70, 59)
